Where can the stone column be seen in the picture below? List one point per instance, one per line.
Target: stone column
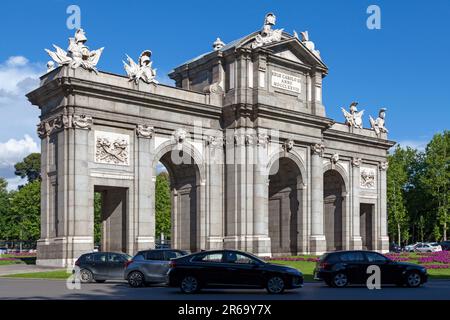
(317, 238)
(80, 216)
(145, 235)
(43, 242)
(383, 238)
(261, 240)
(215, 192)
(356, 241)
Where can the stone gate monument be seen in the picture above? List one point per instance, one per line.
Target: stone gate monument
(254, 162)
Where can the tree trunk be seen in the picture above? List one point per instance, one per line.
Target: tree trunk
(398, 232)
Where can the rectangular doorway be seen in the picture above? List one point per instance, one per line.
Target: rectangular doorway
(366, 225)
(110, 218)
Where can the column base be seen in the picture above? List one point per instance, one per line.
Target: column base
(214, 243)
(356, 243)
(383, 244)
(144, 243)
(318, 244)
(62, 251)
(258, 245)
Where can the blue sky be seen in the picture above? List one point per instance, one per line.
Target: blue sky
(404, 66)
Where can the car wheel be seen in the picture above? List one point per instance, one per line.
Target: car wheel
(190, 284)
(100, 281)
(413, 279)
(136, 279)
(275, 285)
(86, 276)
(340, 280)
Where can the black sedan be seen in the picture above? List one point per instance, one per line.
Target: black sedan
(101, 266)
(231, 269)
(338, 269)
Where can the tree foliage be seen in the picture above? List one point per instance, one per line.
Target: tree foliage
(162, 205)
(29, 167)
(418, 191)
(23, 218)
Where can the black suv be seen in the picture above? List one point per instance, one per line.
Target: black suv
(338, 269)
(101, 266)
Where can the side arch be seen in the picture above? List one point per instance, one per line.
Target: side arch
(336, 207)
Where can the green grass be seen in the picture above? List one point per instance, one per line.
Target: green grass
(5, 263)
(58, 274)
(305, 267)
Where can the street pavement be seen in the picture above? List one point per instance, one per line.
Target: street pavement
(57, 289)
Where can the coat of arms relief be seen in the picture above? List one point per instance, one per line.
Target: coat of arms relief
(112, 148)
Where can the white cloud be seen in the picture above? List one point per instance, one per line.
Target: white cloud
(13, 151)
(16, 61)
(18, 76)
(14, 183)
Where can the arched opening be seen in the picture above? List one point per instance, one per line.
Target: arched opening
(285, 192)
(333, 209)
(184, 203)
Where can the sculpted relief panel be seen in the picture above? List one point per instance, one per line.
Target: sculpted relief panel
(367, 178)
(112, 148)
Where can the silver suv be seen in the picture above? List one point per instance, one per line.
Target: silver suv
(150, 266)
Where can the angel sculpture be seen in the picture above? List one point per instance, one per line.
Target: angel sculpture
(353, 118)
(378, 124)
(78, 54)
(142, 71)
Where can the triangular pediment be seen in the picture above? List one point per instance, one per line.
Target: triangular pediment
(288, 47)
(289, 55)
(294, 50)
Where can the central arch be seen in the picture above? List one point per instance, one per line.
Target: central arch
(285, 207)
(184, 167)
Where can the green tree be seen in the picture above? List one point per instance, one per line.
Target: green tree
(4, 208)
(436, 181)
(397, 182)
(97, 217)
(24, 216)
(162, 205)
(29, 167)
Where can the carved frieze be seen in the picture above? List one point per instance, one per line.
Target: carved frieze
(317, 149)
(288, 145)
(384, 165)
(82, 121)
(367, 180)
(144, 131)
(356, 162)
(112, 148)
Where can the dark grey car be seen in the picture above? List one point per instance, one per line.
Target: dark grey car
(101, 266)
(150, 266)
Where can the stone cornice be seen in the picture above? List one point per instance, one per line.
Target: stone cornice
(358, 139)
(64, 86)
(281, 114)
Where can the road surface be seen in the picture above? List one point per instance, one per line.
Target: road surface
(57, 289)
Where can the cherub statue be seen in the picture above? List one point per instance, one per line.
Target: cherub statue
(78, 54)
(378, 123)
(267, 34)
(353, 118)
(142, 71)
